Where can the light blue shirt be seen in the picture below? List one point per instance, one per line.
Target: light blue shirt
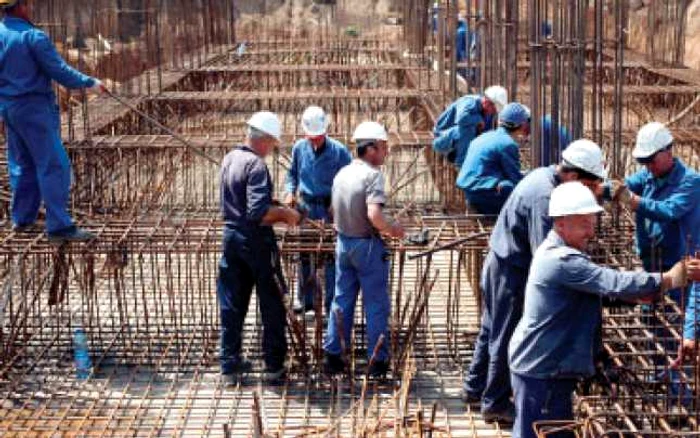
(562, 310)
(312, 172)
(29, 62)
(457, 127)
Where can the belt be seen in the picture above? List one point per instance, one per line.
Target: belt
(316, 200)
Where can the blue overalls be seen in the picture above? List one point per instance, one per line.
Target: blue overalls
(250, 260)
(490, 171)
(311, 174)
(522, 225)
(457, 126)
(552, 346)
(38, 165)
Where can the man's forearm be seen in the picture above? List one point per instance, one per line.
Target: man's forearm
(274, 215)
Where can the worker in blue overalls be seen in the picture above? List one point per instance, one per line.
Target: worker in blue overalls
(521, 227)
(38, 165)
(665, 196)
(316, 160)
(465, 119)
(491, 168)
(552, 346)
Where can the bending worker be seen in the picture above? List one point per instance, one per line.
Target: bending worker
(464, 120)
(553, 343)
(362, 260)
(251, 257)
(521, 227)
(38, 165)
(316, 160)
(492, 166)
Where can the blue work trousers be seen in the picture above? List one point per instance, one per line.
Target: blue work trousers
(308, 281)
(248, 263)
(541, 400)
(503, 293)
(361, 263)
(38, 165)
(489, 201)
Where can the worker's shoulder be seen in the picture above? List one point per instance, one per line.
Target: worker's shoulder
(243, 156)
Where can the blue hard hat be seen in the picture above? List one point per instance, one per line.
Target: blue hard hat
(513, 115)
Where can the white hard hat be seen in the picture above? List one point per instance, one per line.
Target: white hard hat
(266, 122)
(314, 121)
(652, 138)
(370, 131)
(572, 198)
(498, 95)
(585, 155)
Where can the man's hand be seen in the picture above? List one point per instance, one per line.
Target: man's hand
(693, 269)
(675, 277)
(289, 200)
(687, 348)
(292, 217)
(99, 87)
(396, 230)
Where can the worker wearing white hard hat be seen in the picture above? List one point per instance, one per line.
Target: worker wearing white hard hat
(250, 256)
(362, 262)
(316, 160)
(553, 344)
(38, 166)
(464, 120)
(522, 226)
(665, 198)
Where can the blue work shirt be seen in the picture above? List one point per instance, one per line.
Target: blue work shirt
(524, 220)
(493, 159)
(29, 61)
(458, 125)
(668, 214)
(563, 309)
(692, 313)
(246, 194)
(312, 172)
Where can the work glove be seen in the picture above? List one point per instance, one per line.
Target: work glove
(99, 87)
(675, 277)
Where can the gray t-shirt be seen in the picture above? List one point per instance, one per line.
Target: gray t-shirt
(355, 186)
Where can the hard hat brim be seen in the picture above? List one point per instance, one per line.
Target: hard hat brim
(639, 153)
(315, 133)
(590, 210)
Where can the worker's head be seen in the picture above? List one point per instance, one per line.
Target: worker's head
(264, 132)
(653, 149)
(314, 123)
(372, 142)
(574, 208)
(515, 118)
(19, 8)
(583, 161)
(495, 98)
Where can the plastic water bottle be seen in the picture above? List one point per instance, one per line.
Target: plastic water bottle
(83, 364)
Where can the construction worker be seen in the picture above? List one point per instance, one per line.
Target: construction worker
(491, 168)
(465, 119)
(250, 254)
(361, 257)
(38, 165)
(521, 227)
(316, 160)
(553, 343)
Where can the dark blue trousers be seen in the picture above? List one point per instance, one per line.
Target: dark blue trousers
(503, 290)
(489, 201)
(541, 400)
(246, 264)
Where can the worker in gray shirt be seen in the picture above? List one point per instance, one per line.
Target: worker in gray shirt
(552, 345)
(250, 254)
(361, 258)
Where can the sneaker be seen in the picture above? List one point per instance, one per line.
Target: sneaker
(503, 417)
(274, 375)
(470, 397)
(378, 369)
(71, 235)
(333, 364)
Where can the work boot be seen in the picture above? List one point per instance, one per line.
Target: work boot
(243, 366)
(71, 235)
(506, 417)
(333, 364)
(274, 375)
(24, 229)
(378, 369)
